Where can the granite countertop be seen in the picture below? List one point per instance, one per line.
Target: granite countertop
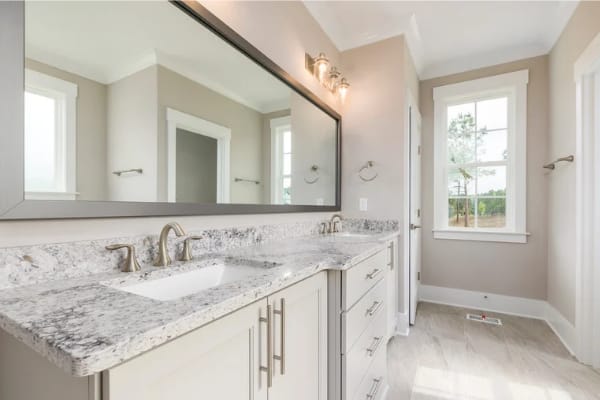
(86, 325)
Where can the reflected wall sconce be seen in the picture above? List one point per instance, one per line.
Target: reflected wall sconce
(329, 76)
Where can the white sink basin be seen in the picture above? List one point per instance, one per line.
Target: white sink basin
(352, 235)
(187, 283)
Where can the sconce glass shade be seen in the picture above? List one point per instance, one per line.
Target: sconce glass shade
(342, 89)
(321, 65)
(332, 81)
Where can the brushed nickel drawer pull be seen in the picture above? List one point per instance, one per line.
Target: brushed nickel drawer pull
(269, 368)
(373, 273)
(376, 342)
(374, 308)
(375, 388)
(281, 357)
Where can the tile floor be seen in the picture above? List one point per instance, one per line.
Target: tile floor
(448, 357)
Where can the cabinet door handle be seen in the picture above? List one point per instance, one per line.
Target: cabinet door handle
(391, 255)
(374, 388)
(374, 308)
(373, 273)
(281, 357)
(376, 342)
(269, 368)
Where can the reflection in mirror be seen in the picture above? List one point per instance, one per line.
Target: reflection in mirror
(136, 101)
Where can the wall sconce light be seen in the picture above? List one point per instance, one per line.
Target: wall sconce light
(329, 76)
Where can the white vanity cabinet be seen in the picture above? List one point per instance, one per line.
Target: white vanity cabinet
(229, 359)
(365, 319)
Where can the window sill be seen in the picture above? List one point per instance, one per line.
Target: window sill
(481, 235)
(51, 195)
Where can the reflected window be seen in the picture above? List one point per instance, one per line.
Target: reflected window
(281, 166)
(50, 124)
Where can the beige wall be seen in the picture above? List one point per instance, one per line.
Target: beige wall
(581, 29)
(296, 31)
(374, 127)
(131, 127)
(502, 268)
(313, 143)
(91, 131)
(246, 151)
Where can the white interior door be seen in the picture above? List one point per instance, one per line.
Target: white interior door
(415, 210)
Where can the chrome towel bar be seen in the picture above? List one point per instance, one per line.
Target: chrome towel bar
(552, 165)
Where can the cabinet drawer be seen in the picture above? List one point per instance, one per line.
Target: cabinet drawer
(361, 277)
(363, 313)
(374, 384)
(372, 342)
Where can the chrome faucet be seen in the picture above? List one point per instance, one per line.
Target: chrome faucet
(163, 259)
(333, 223)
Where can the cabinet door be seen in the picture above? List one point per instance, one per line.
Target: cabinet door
(218, 361)
(300, 343)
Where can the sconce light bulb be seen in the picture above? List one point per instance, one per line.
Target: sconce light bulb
(343, 89)
(321, 66)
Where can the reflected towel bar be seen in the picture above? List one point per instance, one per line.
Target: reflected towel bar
(552, 165)
(247, 180)
(126, 171)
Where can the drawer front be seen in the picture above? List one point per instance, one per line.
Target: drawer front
(361, 277)
(372, 342)
(363, 313)
(374, 384)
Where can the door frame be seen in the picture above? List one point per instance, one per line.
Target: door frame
(587, 216)
(179, 120)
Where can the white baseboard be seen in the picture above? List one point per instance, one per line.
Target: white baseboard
(562, 328)
(402, 324)
(519, 306)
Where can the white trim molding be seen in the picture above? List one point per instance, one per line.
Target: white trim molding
(178, 120)
(512, 85)
(587, 212)
(511, 305)
(65, 94)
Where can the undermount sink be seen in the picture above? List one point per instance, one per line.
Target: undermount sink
(187, 283)
(352, 235)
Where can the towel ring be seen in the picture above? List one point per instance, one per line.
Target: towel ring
(366, 167)
(315, 175)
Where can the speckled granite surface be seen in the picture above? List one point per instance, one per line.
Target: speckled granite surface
(84, 324)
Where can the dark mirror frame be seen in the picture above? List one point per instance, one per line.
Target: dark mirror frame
(12, 203)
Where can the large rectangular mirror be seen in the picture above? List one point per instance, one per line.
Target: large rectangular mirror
(153, 103)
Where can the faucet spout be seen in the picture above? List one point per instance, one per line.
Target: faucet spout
(163, 259)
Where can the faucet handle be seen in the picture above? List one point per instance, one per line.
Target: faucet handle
(130, 264)
(186, 254)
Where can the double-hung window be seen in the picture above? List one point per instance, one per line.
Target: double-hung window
(50, 137)
(479, 160)
(281, 167)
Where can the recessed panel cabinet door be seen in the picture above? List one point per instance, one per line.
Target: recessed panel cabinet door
(300, 341)
(219, 361)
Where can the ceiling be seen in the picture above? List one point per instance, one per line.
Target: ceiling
(107, 41)
(447, 37)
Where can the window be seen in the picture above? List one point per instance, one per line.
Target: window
(50, 125)
(480, 139)
(281, 165)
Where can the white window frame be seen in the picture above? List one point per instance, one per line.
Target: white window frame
(65, 95)
(191, 123)
(277, 126)
(514, 86)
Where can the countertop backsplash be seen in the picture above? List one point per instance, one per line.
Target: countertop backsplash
(30, 265)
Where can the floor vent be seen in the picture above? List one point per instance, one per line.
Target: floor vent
(485, 319)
